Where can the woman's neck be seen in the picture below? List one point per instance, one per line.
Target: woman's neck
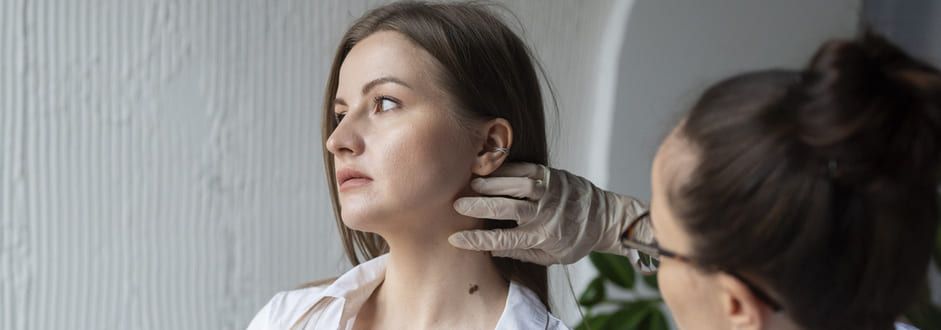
(431, 284)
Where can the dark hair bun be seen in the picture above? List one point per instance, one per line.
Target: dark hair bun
(871, 111)
(820, 183)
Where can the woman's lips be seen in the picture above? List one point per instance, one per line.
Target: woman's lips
(348, 178)
(353, 183)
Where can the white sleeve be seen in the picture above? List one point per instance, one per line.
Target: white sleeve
(263, 320)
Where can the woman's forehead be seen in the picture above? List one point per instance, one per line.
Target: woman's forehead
(675, 161)
(673, 166)
(386, 53)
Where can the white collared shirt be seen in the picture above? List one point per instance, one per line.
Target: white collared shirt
(336, 305)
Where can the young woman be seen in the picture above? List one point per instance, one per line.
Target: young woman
(421, 98)
(785, 199)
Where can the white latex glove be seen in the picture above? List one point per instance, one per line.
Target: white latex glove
(562, 217)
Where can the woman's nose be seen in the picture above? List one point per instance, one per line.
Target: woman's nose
(344, 140)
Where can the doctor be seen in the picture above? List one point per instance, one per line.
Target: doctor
(785, 199)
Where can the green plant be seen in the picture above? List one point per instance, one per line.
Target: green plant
(635, 313)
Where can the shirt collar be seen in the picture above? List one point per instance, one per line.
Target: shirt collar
(523, 308)
(356, 285)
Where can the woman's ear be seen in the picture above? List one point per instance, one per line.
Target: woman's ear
(741, 307)
(495, 147)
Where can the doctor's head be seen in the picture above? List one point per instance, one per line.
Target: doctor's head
(420, 99)
(802, 198)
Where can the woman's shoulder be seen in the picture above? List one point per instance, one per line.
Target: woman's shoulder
(285, 307)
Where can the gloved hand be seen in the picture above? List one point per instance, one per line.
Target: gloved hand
(562, 217)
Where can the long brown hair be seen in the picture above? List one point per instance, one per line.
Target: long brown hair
(820, 184)
(487, 70)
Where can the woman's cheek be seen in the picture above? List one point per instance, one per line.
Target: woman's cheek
(424, 157)
(675, 288)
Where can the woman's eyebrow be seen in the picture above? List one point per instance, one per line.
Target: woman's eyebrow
(383, 80)
(375, 82)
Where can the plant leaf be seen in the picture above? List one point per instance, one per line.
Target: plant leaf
(594, 322)
(656, 320)
(614, 268)
(593, 294)
(631, 316)
(651, 281)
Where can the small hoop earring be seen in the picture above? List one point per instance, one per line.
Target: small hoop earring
(502, 149)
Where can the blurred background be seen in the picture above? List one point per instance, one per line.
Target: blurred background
(160, 160)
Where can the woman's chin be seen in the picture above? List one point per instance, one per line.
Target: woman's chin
(369, 219)
(360, 223)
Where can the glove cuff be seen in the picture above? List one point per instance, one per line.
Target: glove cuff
(620, 212)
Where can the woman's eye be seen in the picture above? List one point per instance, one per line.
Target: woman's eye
(385, 103)
(339, 116)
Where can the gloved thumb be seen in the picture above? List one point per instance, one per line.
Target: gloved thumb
(459, 240)
(492, 239)
(496, 208)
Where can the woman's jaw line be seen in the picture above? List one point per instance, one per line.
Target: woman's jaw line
(428, 237)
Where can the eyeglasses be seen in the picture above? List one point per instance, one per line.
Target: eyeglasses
(640, 237)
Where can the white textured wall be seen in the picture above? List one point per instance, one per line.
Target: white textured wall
(160, 160)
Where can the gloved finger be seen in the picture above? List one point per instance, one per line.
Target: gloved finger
(528, 170)
(535, 256)
(493, 239)
(499, 208)
(510, 186)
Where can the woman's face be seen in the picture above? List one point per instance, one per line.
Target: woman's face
(692, 296)
(399, 152)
